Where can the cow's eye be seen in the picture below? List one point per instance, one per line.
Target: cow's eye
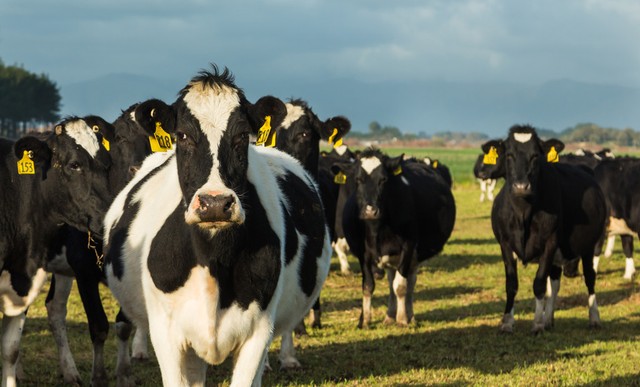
(181, 136)
(74, 166)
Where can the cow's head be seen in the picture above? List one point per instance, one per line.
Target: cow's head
(211, 121)
(127, 142)
(525, 153)
(372, 172)
(301, 131)
(491, 162)
(72, 167)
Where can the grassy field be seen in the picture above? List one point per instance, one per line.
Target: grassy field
(455, 341)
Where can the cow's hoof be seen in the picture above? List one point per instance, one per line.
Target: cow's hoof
(290, 364)
(140, 357)
(506, 324)
(389, 320)
(595, 325)
(126, 381)
(537, 329)
(505, 328)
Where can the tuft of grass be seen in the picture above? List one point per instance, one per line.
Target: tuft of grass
(459, 301)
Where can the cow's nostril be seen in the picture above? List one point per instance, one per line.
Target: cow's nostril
(215, 208)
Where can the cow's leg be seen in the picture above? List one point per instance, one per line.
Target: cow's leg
(249, 360)
(590, 281)
(555, 274)
(341, 247)
(511, 284)
(287, 354)
(400, 284)
(490, 187)
(392, 305)
(316, 313)
(56, 304)
(598, 251)
(411, 286)
(483, 189)
(12, 327)
(368, 286)
(124, 327)
(140, 345)
(627, 246)
(611, 239)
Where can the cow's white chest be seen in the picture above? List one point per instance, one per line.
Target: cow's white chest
(193, 313)
(11, 303)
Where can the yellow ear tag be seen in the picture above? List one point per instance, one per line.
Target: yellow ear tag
(435, 163)
(340, 178)
(552, 156)
(26, 166)
(491, 157)
(397, 171)
(265, 137)
(105, 143)
(161, 140)
(333, 135)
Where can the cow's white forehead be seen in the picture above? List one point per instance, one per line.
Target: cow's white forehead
(212, 106)
(83, 136)
(294, 112)
(522, 137)
(341, 149)
(370, 163)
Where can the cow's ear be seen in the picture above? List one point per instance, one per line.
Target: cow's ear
(493, 150)
(149, 113)
(552, 148)
(334, 129)
(36, 150)
(105, 131)
(267, 106)
(394, 164)
(341, 171)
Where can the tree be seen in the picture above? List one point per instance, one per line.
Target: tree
(26, 100)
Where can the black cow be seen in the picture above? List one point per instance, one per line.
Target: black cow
(620, 181)
(335, 191)
(48, 180)
(128, 145)
(221, 245)
(546, 213)
(400, 214)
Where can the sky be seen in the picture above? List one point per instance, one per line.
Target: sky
(368, 41)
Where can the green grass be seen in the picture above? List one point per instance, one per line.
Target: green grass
(455, 341)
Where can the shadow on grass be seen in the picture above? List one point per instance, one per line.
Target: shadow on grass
(481, 348)
(473, 241)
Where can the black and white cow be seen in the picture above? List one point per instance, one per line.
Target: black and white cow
(400, 214)
(486, 180)
(56, 178)
(299, 135)
(546, 213)
(619, 179)
(128, 145)
(221, 245)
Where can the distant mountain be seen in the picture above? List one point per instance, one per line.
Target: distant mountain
(428, 106)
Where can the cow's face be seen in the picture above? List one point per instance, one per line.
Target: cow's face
(128, 145)
(372, 172)
(211, 121)
(524, 155)
(301, 131)
(73, 166)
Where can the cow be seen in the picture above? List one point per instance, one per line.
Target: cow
(487, 182)
(546, 213)
(335, 191)
(399, 215)
(220, 245)
(128, 145)
(619, 179)
(60, 177)
(299, 135)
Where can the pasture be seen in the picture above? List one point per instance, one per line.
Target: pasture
(455, 340)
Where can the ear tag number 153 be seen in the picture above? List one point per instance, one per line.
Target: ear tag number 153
(26, 166)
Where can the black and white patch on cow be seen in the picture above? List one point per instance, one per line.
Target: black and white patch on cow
(546, 213)
(218, 246)
(53, 179)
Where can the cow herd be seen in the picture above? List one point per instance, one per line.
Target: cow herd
(213, 220)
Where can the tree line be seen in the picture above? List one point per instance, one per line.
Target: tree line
(27, 101)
